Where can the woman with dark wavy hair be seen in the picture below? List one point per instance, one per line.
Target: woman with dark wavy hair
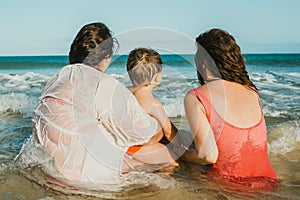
(225, 113)
(85, 119)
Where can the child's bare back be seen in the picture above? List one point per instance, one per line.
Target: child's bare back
(144, 67)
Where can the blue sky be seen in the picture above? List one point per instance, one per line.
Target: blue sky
(35, 27)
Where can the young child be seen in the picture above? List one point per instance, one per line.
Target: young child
(144, 67)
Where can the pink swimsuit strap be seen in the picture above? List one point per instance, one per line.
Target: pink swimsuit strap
(54, 100)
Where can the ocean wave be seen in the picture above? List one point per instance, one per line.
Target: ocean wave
(118, 76)
(267, 92)
(23, 82)
(262, 77)
(272, 75)
(293, 74)
(270, 112)
(287, 138)
(174, 110)
(17, 103)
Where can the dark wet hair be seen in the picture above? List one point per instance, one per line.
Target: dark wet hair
(227, 57)
(142, 65)
(92, 44)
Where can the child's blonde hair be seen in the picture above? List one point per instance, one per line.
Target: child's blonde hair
(142, 65)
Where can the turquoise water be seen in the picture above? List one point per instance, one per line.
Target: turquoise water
(22, 78)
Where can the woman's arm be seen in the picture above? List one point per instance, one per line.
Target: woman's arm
(205, 144)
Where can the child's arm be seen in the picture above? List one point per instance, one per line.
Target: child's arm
(155, 109)
(155, 139)
(158, 112)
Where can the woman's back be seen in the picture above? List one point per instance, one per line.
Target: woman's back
(239, 129)
(236, 104)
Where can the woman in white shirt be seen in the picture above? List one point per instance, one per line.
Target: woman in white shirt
(86, 119)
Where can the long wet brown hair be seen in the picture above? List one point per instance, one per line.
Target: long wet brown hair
(92, 44)
(227, 57)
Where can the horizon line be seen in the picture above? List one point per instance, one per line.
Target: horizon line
(246, 53)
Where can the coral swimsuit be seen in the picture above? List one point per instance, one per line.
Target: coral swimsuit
(243, 152)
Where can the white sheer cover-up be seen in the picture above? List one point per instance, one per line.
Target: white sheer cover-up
(87, 120)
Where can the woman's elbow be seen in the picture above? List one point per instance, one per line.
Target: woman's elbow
(212, 157)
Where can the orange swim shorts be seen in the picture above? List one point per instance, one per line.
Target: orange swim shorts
(133, 149)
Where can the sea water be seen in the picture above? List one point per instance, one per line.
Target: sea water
(277, 76)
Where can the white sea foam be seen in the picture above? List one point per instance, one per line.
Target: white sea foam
(267, 92)
(271, 111)
(293, 74)
(31, 154)
(18, 103)
(262, 77)
(148, 178)
(174, 109)
(23, 82)
(117, 76)
(274, 80)
(288, 138)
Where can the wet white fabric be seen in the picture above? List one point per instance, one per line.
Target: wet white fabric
(87, 120)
